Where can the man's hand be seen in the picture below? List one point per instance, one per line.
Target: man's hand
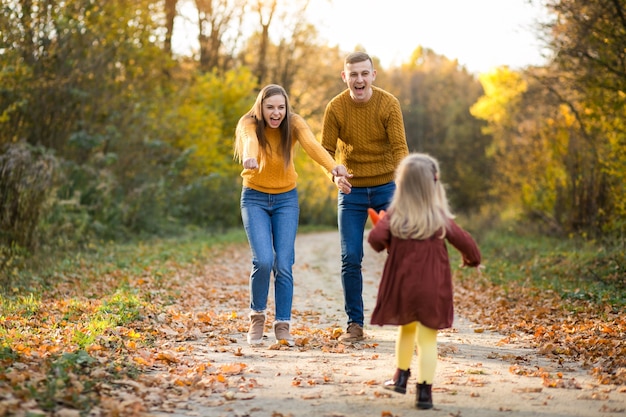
(343, 184)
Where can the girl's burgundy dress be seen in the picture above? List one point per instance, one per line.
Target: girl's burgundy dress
(417, 280)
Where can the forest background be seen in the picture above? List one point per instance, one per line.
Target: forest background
(107, 135)
(118, 184)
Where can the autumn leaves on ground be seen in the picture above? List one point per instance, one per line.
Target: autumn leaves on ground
(104, 336)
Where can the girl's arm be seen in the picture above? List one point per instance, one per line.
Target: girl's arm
(464, 243)
(380, 236)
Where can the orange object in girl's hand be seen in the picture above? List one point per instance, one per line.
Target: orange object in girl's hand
(374, 217)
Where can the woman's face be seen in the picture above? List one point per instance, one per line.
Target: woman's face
(274, 110)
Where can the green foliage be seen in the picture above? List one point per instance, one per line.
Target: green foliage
(7, 354)
(26, 177)
(61, 382)
(22, 306)
(124, 306)
(558, 132)
(204, 119)
(572, 267)
(210, 202)
(143, 142)
(317, 194)
(436, 96)
(160, 255)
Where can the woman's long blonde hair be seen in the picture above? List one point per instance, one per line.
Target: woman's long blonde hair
(256, 112)
(419, 207)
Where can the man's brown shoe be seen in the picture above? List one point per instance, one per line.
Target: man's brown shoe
(353, 334)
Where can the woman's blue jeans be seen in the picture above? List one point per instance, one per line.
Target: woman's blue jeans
(271, 224)
(352, 216)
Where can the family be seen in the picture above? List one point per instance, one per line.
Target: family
(364, 151)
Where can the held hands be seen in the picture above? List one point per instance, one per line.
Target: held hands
(250, 163)
(341, 179)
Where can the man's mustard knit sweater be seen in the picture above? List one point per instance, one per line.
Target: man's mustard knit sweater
(272, 177)
(368, 138)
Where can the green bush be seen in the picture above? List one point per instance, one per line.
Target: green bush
(26, 179)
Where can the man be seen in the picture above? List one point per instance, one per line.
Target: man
(363, 129)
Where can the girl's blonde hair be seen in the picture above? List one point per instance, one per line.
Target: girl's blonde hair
(256, 112)
(419, 207)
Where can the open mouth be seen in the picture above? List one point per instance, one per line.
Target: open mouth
(275, 122)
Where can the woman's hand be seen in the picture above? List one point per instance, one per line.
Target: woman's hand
(340, 171)
(250, 163)
(341, 175)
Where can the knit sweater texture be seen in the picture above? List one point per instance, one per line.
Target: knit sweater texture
(368, 138)
(272, 177)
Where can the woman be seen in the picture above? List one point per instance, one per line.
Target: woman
(265, 140)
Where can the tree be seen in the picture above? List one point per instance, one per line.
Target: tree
(170, 14)
(589, 78)
(436, 94)
(215, 19)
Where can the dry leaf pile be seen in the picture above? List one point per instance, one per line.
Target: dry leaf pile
(592, 336)
(139, 364)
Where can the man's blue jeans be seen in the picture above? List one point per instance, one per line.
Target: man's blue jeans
(271, 224)
(352, 216)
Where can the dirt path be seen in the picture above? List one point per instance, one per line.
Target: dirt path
(476, 373)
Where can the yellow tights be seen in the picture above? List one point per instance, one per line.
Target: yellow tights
(426, 339)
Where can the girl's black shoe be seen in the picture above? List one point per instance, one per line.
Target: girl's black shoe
(398, 383)
(424, 398)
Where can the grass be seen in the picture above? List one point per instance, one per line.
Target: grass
(573, 268)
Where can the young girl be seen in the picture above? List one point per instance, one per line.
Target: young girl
(415, 291)
(265, 140)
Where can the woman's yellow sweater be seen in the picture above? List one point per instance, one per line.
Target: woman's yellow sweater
(272, 177)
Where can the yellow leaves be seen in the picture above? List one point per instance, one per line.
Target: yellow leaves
(142, 360)
(336, 332)
(302, 341)
(303, 381)
(133, 334)
(502, 88)
(204, 318)
(22, 349)
(560, 383)
(592, 335)
(94, 348)
(166, 356)
(233, 368)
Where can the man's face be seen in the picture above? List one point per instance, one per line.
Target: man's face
(359, 77)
